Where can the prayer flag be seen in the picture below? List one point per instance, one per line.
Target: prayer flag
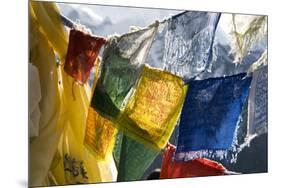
(100, 132)
(183, 43)
(135, 158)
(82, 52)
(154, 108)
(100, 135)
(122, 63)
(194, 168)
(211, 112)
(257, 104)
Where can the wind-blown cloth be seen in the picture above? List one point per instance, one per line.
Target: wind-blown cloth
(122, 63)
(83, 49)
(257, 104)
(100, 133)
(210, 114)
(183, 43)
(125, 84)
(239, 42)
(60, 142)
(134, 159)
(154, 108)
(193, 168)
(34, 100)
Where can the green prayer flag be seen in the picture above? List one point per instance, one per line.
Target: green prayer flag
(122, 65)
(135, 158)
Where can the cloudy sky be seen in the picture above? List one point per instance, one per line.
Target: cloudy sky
(108, 20)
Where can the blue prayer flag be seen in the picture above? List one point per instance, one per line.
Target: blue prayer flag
(210, 113)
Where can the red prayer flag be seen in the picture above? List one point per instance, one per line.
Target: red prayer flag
(82, 52)
(194, 168)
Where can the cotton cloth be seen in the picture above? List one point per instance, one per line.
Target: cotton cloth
(34, 99)
(183, 43)
(122, 63)
(100, 132)
(194, 168)
(154, 108)
(257, 103)
(239, 42)
(62, 116)
(134, 159)
(211, 112)
(82, 52)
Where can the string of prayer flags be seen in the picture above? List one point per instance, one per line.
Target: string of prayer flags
(194, 168)
(154, 108)
(183, 43)
(257, 103)
(82, 52)
(124, 56)
(210, 114)
(123, 67)
(123, 60)
(134, 160)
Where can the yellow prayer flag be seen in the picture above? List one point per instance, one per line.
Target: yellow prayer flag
(100, 135)
(154, 108)
(100, 132)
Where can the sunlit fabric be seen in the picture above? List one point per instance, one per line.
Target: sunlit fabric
(100, 132)
(248, 31)
(194, 168)
(82, 52)
(197, 79)
(210, 113)
(42, 148)
(33, 105)
(134, 160)
(62, 116)
(123, 61)
(153, 110)
(239, 42)
(257, 103)
(160, 45)
(183, 43)
(100, 135)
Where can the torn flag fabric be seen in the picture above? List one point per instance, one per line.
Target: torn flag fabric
(183, 43)
(239, 42)
(246, 32)
(257, 103)
(194, 168)
(161, 45)
(210, 113)
(154, 108)
(122, 64)
(82, 52)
